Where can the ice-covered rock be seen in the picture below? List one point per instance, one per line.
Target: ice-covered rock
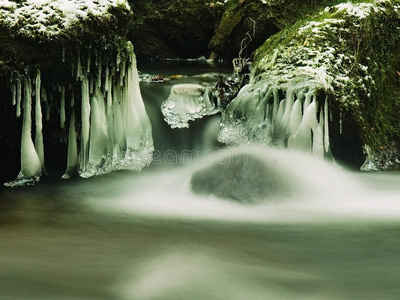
(185, 103)
(83, 79)
(319, 85)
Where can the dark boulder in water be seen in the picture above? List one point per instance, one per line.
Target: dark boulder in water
(242, 177)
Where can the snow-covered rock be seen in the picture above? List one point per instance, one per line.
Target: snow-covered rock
(326, 74)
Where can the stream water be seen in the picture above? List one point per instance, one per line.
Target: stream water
(147, 236)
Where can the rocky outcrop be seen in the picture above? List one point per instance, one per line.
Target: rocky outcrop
(250, 22)
(336, 74)
(170, 29)
(65, 66)
(247, 177)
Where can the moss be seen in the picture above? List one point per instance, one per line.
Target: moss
(270, 17)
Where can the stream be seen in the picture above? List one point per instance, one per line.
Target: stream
(146, 235)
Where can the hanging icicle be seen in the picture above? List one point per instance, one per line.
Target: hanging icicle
(38, 121)
(62, 108)
(31, 166)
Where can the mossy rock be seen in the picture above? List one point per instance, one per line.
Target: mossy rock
(350, 54)
(269, 16)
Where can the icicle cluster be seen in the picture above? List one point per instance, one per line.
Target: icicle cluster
(185, 103)
(115, 131)
(291, 118)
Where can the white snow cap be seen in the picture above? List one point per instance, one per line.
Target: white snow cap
(51, 17)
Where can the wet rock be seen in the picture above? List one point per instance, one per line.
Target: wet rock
(253, 21)
(170, 29)
(242, 177)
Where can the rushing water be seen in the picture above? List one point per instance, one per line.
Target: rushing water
(147, 236)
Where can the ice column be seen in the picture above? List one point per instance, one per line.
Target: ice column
(31, 167)
(38, 121)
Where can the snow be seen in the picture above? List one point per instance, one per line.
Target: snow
(52, 17)
(358, 10)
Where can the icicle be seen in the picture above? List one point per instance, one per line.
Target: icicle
(369, 164)
(107, 78)
(341, 123)
(72, 161)
(301, 140)
(307, 101)
(62, 107)
(122, 73)
(119, 127)
(38, 120)
(44, 94)
(85, 113)
(99, 73)
(96, 58)
(326, 126)
(318, 142)
(48, 110)
(14, 94)
(31, 166)
(280, 112)
(89, 61)
(109, 101)
(63, 55)
(276, 104)
(118, 60)
(91, 85)
(318, 137)
(78, 68)
(207, 103)
(138, 124)
(98, 132)
(19, 95)
(295, 117)
(288, 109)
(72, 104)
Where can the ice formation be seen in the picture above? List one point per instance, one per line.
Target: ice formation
(115, 131)
(187, 102)
(299, 76)
(265, 114)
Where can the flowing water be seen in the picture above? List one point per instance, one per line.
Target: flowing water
(147, 236)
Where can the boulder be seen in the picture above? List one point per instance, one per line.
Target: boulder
(243, 177)
(253, 21)
(171, 29)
